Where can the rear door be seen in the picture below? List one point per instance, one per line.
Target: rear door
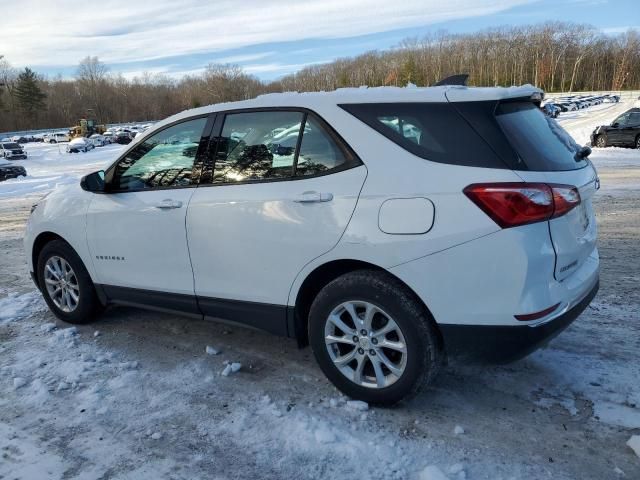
(550, 155)
(283, 189)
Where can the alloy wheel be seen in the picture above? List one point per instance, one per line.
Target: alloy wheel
(365, 344)
(62, 284)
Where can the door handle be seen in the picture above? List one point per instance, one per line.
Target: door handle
(313, 197)
(168, 204)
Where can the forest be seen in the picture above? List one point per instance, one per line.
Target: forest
(553, 56)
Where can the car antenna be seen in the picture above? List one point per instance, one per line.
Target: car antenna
(460, 79)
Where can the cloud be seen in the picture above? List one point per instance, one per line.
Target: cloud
(63, 32)
(617, 30)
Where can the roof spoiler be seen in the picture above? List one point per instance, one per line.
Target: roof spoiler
(460, 79)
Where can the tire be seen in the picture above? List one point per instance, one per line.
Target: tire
(88, 306)
(393, 303)
(638, 142)
(52, 141)
(601, 141)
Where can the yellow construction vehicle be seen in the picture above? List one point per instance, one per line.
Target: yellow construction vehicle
(88, 126)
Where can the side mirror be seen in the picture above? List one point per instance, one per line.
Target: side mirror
(94, 182)
(615, 124)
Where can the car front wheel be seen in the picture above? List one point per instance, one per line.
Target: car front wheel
(373, 338)
(638, 142)
(601, 141)
(66, 285)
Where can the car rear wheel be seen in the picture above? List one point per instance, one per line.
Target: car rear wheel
(638, 141)
(373, 338)
(601, 141)
(66, 285)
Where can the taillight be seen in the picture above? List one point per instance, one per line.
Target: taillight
(515, 204)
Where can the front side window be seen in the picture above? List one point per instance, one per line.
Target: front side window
(162, 160)
(621, 120)
(266, 146)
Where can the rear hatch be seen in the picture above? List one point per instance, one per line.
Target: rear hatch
(552, 156)
(539, 150)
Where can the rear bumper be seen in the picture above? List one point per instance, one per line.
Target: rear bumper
(504, 344)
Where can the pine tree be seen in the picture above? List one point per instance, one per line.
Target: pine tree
(28, 94)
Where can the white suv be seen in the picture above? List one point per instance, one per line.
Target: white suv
(390, 228)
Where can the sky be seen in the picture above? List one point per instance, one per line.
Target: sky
(268, 38)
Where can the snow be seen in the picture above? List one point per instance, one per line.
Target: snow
(458, 430)
(357, 405)
(231, 368)
(634, 444)
(432, 473)
(50, 165)
(211, 351)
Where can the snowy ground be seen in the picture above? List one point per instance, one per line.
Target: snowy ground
(136, 396)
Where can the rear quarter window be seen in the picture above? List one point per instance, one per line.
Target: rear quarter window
(433, 131)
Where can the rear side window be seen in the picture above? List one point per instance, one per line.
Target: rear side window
(276, 145)
(433, 131)
(318, 151)
(257, 146)
(539, 140)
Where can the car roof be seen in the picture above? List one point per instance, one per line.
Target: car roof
(313, 100)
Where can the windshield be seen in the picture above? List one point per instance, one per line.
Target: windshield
(11, 145)
(539, 140)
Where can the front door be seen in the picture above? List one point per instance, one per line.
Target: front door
(136, 230)
(283, 190)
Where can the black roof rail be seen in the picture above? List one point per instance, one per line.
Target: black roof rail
(460, 79)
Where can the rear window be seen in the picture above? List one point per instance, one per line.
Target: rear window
(433, 131)
(538, 140)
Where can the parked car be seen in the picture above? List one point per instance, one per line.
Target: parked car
(624, 131)
(19, 139)
(108, 137)
(98, 140)
(80, 144)
(57, 137)
(611, 98)
(567, 106)
(9, 170)
(386, 249)
(123, 138)
(12, 151)
(551, 110)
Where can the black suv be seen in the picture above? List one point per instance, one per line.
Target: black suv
(624, 131)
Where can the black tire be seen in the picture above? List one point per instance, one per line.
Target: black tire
(601, 141)
(53, 141)
(638, 142)
(89, 306)
(423, 345)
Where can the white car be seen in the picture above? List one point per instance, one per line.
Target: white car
(98, 140)
(318, 216)
(80, 144)
(57, 137)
